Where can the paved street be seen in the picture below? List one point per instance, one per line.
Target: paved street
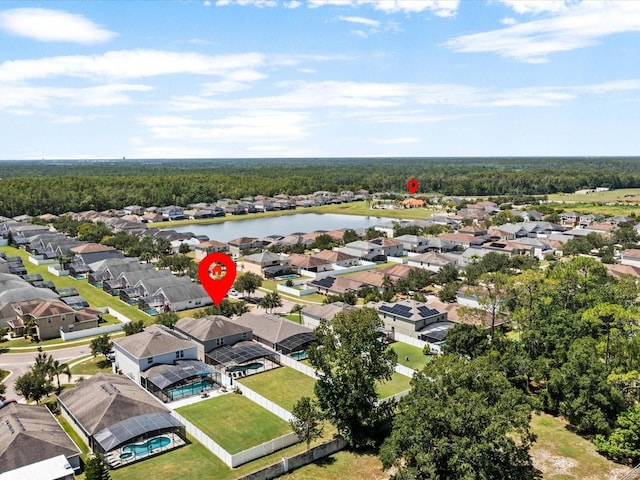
(18, 363)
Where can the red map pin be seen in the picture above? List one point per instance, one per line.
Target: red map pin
(412, 185)
(217, 272)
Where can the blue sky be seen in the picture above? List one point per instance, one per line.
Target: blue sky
(323, 78)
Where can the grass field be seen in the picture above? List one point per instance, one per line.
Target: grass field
(235, 422)
(354, 466)
(618, 196)
(283, 386)
(398, 383)
(4, 374)
(417, 359)
(563, 455)
(91, 366)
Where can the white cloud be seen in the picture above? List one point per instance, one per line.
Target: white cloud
(250, 126)
(361, 21)
(581, 25)
(441, 8)
(292, 4)
(52, 26)
(396, 141)
(537, 6)
(508, 21)
(132, 64)
(44, 96)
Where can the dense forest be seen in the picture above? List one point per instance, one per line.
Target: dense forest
(37, 187)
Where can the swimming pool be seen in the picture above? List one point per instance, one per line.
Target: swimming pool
(299, 355)
(144, 449)
(244, 368)
(188, 390)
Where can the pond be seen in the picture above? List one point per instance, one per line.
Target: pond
(284, 225)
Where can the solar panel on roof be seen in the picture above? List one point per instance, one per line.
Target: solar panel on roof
(324, 282)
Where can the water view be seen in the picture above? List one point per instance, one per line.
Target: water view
(284, 225)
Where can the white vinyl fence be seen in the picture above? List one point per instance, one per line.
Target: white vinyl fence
(400, 337)
(265, 403)
(296, 365)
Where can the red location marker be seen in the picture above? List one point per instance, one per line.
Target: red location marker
(412, 185)
(217, 272)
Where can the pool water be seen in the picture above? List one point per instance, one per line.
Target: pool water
(299, 355)
(144, 449)
(244, 368)
(188, 390)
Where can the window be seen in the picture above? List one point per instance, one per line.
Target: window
(177, 354)
(150, 360)
(244, 334)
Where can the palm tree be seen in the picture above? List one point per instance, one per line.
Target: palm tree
(43, 363)
(57, 369)
(297, 308)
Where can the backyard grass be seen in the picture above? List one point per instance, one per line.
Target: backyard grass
(95, 296)
(4, 374)
(398, 383)
(283, 386)
(416, 359)
(74, 436)
(604, 197)
(563, 455)
(91, 366)
(235, 422)
(345, 464)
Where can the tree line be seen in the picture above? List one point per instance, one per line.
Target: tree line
(45, 187)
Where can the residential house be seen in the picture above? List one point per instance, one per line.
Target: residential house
(631, 257)
(390, 246)
(212, 246)
(31, 440)
(276, 332)
(409, 317)
(239, 246)
(396, 272)
(364, 250)
(335, 285)
(89, 253)
(49, 317)
(267, 264)
(176, 297)
(155, 345)
(431, 261)
(211, 332)
(309, 263)
(313, 314)
(109, 411)
(337, 257)
(413, 243)
(413, 203)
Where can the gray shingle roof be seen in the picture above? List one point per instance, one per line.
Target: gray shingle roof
(29, 434)
(154, 340)
(106, 399)
(207, 328)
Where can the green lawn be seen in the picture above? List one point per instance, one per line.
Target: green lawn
(416, 359)
(4, 374)
(91, 366)
(345, 464)
(283, 386)
(604, 197)
(398, 383)
(563, 455)
(235, 422)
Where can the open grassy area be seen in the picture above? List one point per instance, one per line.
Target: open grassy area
(91, 366)
(618, 196)
(563, 455)
(95, 296)
(398, 383)
(235, 422)
(283, 386)
(416, 359)
(345, 464)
